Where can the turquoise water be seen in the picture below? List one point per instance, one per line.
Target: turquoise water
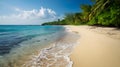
(18, 43)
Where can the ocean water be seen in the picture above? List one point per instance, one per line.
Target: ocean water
(56, 55)
(18, 44)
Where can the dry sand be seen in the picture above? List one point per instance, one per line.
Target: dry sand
(98, 47)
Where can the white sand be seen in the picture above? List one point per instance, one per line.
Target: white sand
(98, 47)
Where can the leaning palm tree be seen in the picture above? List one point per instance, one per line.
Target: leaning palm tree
(99, 6)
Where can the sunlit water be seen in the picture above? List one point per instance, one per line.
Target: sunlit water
(56, 55)
(20, 44)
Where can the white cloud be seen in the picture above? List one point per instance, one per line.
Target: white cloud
(29, 16)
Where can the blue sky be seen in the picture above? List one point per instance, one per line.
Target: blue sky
(36, 11)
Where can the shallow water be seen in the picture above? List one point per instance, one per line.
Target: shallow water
(20, 44)
(57, 55)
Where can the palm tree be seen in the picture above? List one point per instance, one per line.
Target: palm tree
(99, 6)
(70, 18)
(86, 11)
(78, 18)
(74, 18)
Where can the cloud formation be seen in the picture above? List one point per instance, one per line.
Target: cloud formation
(34, 16)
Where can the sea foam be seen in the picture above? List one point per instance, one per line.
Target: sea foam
(56, 55)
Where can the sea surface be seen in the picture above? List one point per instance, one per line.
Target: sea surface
(19, 43)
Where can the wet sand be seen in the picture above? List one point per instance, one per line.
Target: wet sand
(57, 54)
(98, 47)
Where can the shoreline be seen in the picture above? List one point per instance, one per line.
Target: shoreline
(98, 47)
(30, 48)
(57, 53)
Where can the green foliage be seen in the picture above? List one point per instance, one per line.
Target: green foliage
(102, 12)
(93, 21)
(107, 17)
(86, 11)
(62, 22)
(70, 18)
(86, 8)
(115, 15)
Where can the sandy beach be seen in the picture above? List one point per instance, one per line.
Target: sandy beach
(98, 47)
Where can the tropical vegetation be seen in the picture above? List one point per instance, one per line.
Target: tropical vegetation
(101, 12)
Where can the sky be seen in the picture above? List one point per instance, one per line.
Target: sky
(36, 12)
